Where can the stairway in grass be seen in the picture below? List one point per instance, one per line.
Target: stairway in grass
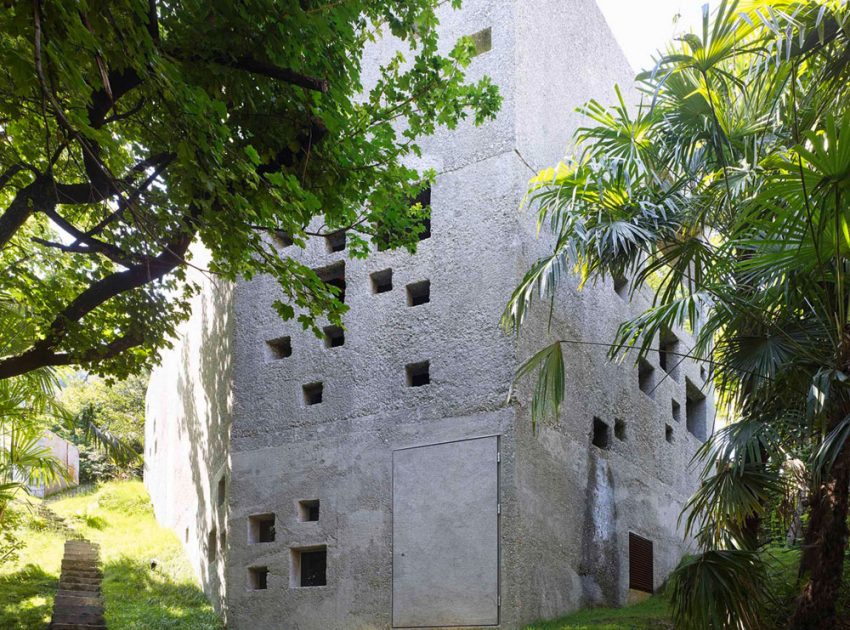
(78, 604)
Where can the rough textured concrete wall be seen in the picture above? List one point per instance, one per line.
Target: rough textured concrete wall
(187, 430)
(578, 503)
(69, 455)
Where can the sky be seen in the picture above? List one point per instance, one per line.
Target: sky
(643, 26)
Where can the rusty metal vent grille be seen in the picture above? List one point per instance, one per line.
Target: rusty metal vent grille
(640, 564)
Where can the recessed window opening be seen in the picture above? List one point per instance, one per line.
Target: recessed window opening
(281, 238)
(676, 410)
(424, 198)
(186, 535)
(334, 336)
(668, 433)
(702, 373)
(668, 350)
(601, 438)
(212, 541)
(334, 275)
(309, 566)
(695, 411)
(313, 393)
(620, 429)
(646, 378)
(621, 286)
(335, 242)
(382, 281)
(641, 564)
(222, 541)
(279, 348)
(482, 40)
(418, 374)
(258, 578)
(308, 510)
(222, 487)
(419, 293)
(261, 528)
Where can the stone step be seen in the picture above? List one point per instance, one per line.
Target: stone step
(77, 599)
(77, 586)
(83, 579)
(77, 626)
(78, 616)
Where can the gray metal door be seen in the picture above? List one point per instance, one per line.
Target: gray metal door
(446, 534)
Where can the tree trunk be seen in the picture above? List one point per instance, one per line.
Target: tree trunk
(823, 550)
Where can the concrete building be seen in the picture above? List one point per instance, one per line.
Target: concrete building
(381, 478)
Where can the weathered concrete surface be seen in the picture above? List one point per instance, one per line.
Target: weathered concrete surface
(567, 507)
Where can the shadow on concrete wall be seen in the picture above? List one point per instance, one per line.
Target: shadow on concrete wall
(600, 564)
(205, 394)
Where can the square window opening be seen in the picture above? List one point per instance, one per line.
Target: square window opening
(308, 567)
(382, 281)
(621, 286)
(419, 293)
(282, 238)
(334, 336)
(279, 348)
(261, 528)
(646, 378)
(695, 411)
(222, 542)
(668, 433)
(418, 374)
(703, 373)
(313, 393)
(186, 535)
(308, 511)
(668, 351)
(620, 429)
(335, 242)
(220, 492)
(483, 41)
(258, 578)
(334, 275)
(212, 542)
(601, 438)
(676, 410)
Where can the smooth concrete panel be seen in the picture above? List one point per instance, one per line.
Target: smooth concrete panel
(446, 534)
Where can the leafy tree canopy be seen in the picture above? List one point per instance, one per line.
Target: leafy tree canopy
(131, 128)
(725, 197)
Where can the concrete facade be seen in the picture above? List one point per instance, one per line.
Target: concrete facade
(69, 455)
(239, 462)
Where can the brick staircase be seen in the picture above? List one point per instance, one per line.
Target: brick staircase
(78, 604)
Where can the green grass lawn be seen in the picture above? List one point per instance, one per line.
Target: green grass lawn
(651, 614)
(119, 517)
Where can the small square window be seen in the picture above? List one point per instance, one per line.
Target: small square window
(382, 281)
(279, 348)
(703, 373)
(186, 535)
(668, 433)
(483, 41)
(646, 378)
(601, 438)
(621, 286)
(335, 242)
(309, 566)
(334, 275)
(308, 510)
(212, 543)
(418, 374)
(334, 336)
(222, 487)
(281, 238)
(676, 410)
(258, 578)
(668, 354)
(313, 393)
(620, 429)
(261, 528)
(695, 411)
(419, 293)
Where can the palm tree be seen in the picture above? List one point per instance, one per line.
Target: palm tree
(726, 196)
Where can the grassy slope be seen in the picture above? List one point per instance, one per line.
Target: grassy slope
(118, 517)
(652, 614)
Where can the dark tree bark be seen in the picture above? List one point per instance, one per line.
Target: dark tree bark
(823, 551)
